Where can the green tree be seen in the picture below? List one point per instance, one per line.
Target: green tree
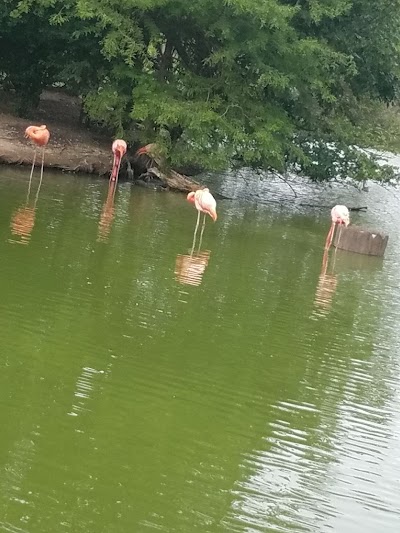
(270, 84)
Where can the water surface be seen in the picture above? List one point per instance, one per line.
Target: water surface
(234, 389)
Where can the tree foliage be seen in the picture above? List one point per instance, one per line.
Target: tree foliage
(271, 84)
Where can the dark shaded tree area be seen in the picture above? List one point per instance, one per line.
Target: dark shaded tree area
(269, 84)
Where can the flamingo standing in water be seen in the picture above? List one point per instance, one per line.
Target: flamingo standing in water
(119, 148)
(40, 136)
(340, 216)
(205, 203)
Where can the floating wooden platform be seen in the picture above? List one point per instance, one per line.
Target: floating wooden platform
(360, 240)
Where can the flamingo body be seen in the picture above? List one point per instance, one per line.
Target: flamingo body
(204, 202)
(39, 135)
(340, 217)
(148, 149)
(152, 151)
(119, 148)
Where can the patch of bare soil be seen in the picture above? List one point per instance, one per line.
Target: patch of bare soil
(72, 147)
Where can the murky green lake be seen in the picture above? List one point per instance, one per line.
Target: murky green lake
(235, 390)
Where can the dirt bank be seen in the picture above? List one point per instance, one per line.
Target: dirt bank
(72, 146)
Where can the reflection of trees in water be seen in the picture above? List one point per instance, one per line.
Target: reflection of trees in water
(128, 271)
(313, 373)
(275, 380)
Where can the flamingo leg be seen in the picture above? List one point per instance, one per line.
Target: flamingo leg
(202, 231)
(329, 237)
(195, 231)
(41, 171)
(340, 233)
(30, 177)
(41, 178)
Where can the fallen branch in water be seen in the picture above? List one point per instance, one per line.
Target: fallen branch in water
(363, 208)
(282, 178)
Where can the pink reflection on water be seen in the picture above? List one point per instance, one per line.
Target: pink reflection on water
(22, 223)
(189, 268)
(23, 219)
(107, 214)
(326, 287)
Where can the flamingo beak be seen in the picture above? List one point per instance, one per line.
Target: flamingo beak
(213, 215)
(141, 151)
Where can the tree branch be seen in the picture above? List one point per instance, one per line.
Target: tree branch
(285, 181)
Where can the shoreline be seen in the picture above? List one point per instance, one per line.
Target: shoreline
(72, 147)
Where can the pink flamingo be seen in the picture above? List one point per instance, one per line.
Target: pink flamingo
(205, 203)
(152, 152)
(119, 148)
(40, 136)
(340, 216)
(147, 149)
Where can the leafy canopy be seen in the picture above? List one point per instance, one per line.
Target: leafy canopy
(271, 84)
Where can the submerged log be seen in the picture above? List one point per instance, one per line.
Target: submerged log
(360, 240)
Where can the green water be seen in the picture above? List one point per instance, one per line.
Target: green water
(235, 391)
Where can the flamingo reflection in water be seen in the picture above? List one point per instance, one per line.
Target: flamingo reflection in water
(107, 214)
(22, 223)
(189, 268)
(326, 286)
(23, 219)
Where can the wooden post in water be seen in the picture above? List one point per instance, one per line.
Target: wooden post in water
(361, 241)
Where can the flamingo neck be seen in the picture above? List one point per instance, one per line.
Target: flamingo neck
(115, 168)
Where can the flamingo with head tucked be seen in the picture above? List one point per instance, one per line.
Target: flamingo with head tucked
(340, 217)
(205, 203)
(119, 148)
(40, 136)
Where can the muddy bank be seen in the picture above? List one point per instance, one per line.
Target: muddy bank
(73, 147)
